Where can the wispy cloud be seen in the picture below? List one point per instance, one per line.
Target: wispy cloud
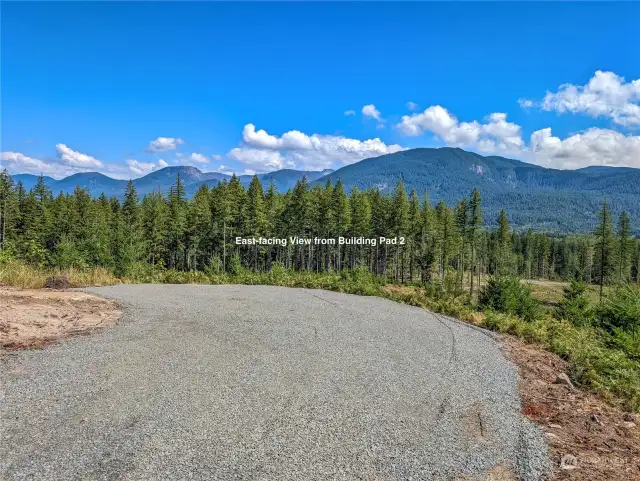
(371, 111)
(163, 144)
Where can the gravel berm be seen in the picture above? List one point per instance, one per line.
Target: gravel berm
(266, 383)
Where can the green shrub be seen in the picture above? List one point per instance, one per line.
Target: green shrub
(628, 342)
(235, 266)
(66, 254)
(451, 284)
(214, 266)
(143, 272)
(7, 253)
(508, 295)
(574, 305)
(621, 309)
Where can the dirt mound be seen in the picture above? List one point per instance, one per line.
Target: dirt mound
(35, 318)
(57, 282)
(588, 438)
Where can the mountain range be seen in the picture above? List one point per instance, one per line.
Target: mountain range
(192, 177)
(533, 196)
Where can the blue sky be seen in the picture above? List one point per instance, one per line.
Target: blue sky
(125, 88)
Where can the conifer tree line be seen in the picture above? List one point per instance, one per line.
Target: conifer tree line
(171, 231)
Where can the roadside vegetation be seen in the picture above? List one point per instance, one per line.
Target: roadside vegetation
(577, 296)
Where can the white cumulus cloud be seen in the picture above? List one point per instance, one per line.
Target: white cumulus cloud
(412, 106)
(496, 134)
(73, 158)
(143, 168)
(18, 163)
(525, 103)
(592, 147)
(69, 162)
(371, 111)
(347, 113)
(258, 160)
(606, 94)
(189, 159)
(299, 150)
(199, 158)
(162, 144)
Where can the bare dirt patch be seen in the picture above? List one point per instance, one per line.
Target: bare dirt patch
(31, 318)
(588, 438)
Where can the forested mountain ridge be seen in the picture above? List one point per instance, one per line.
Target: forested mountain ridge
(283, 179)
(192, 177)
(535, 196)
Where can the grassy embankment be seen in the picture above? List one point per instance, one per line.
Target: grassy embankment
(602, 360)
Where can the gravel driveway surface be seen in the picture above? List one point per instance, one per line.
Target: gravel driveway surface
(266, 383)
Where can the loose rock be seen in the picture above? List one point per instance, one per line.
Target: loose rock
(568, 462)
(563, 378)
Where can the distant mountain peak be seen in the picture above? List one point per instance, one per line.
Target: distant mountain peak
(181, 168)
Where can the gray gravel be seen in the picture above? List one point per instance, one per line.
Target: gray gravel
(266, 383)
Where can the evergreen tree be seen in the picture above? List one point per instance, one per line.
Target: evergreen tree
(399, 226)
(624, 247)
(445, 235)
(9, 210)
(177, 223)
(360, 218)
(198, 232)
(462, 221)
(475, 224)
(326, 222)
(130, 206)
(414, 232)
(154, 212)
(256, 219)
(427, 239)
(297, 222)
(503, 243)
(380, 220)
(341, 217)
(604, 247)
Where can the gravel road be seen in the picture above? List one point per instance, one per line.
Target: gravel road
(266, 383)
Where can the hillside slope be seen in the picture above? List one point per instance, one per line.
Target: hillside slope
(550, 199)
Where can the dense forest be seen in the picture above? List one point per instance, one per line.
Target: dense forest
(201, 233)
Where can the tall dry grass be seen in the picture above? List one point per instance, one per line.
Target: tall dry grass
(17, 274)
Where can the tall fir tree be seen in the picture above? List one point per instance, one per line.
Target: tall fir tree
(130, 206)
(256, 218)
(461, 216)
(503, 243)
(9, 210)
(341, 218)
(604, 247)
(177, 224)
(399, 226)
(624, 247)
(475, 225)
